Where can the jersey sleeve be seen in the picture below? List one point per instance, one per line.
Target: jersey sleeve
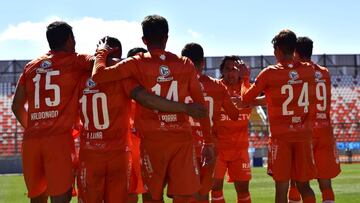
(198, 97)
(129, 84)
(85, 62)
(255, 89)
(229, 106)
(21, 81)
(119, 71)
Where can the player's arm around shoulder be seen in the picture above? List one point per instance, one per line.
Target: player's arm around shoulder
(102, 73)
(257, 87)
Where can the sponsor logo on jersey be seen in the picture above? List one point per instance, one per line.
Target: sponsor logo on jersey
(164, 74)
(44, 66)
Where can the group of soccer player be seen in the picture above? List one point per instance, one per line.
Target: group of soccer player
(155, 120)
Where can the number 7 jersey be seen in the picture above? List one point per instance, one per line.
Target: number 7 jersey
(290, 97)
(51, 82)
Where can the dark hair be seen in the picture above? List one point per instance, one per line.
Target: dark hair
(285, 41)
(155, 29)
(57, 33)
(136, 50)
(231, 58)
(304, 47)
(113, 43)
(194, 52)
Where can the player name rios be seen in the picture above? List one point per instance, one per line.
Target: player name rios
(44, 115)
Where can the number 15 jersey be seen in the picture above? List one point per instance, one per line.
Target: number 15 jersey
(51, 82)
(290, 97)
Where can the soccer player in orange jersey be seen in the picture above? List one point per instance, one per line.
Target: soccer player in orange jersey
(166, 146)
(47, 86)
(218, 100)
(324, 146)
(136, 185)
(289, 89)
(104, 137)
(232, 136)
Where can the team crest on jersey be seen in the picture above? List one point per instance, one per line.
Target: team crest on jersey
(164, 74)
(318, 75)
(44, 66)
(164, 71)
(293, 75)
(90, 84)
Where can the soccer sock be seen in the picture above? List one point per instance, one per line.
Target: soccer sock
(294, 194)
(217, 196)
(243, 198)
(309, 199)
(328, 196)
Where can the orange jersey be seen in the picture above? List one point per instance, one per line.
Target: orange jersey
(50, 82)
(322, 124)
(166, 75)
(233, 134)
(217, 100)
(105, 114)
(290, 94)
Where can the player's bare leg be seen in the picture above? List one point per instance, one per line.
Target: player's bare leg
(63, 198)
(242, 190)
(217, 191)
(281, 191)
(326, 190)
(306, 192)
(39, 199)
(132, 198)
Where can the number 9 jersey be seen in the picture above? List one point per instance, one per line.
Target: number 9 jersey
(50, 82)
(290, 97)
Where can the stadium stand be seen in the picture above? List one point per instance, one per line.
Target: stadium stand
(345, 102)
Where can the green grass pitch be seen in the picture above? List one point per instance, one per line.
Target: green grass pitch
(346, 187)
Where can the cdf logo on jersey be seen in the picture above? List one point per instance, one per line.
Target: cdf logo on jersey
(164, 71)
(44, 66)
(90, 84)
(164, 74)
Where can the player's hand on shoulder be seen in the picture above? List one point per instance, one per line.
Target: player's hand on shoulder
(103, 46)
(196, 110)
